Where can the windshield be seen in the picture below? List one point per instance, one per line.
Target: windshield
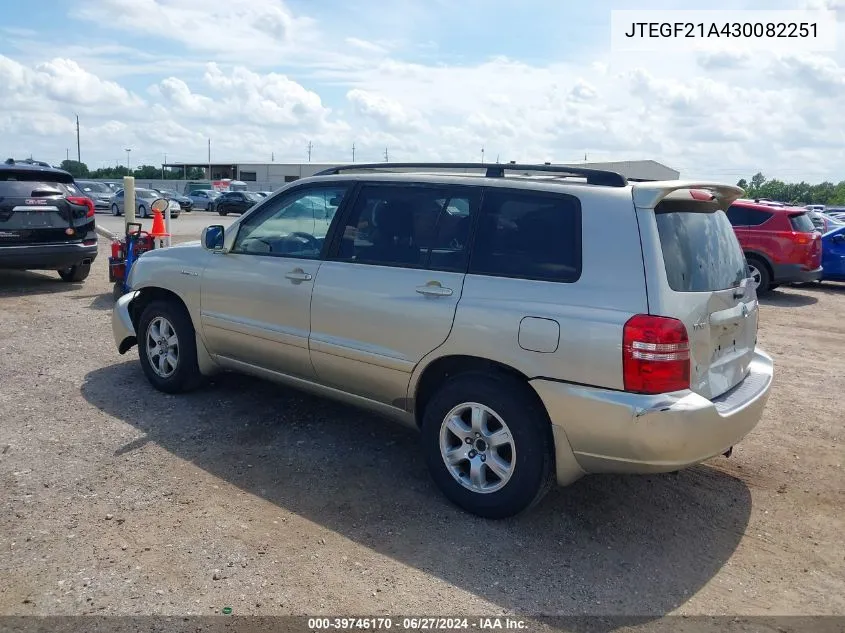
(252, 197)
(147, 193)
(94, 187)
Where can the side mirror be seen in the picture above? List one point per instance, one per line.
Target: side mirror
(212, 237)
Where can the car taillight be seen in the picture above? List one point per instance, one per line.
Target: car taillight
(84, 202)
(655, 355)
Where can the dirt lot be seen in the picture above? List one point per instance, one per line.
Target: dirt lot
(117, 499)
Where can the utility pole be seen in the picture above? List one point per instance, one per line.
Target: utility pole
(482, 155)
(67, 154)
(209, 159)
(353, 152)
(128, 149)
(78, 150)
(309, 151)
(163, 177)
(272, 157)
(386, 160)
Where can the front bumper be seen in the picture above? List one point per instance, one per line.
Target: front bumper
(617, 432)
(121, 323)
(795, 273)
(47, 256)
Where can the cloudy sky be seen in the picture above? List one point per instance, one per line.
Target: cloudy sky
(533, 80)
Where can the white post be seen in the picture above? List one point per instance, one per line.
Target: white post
(128, 200)
(167, 224)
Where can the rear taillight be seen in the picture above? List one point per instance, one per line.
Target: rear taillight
(655, 355)
(84, 202)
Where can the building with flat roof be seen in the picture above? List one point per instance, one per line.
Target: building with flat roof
(270, 176)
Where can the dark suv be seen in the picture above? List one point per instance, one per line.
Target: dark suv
(780, 243)
(46, 222)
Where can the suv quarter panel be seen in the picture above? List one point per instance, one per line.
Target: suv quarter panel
(590, 312)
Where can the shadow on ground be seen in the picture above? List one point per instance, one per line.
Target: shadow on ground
(103, 301)
(791, 299)
(18, 283)
(606, 545)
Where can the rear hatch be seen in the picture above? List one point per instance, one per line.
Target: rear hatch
(704, 284)
(35, 209)
(806, 241)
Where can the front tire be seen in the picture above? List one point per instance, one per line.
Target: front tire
(75, 274)
(487, 442)
(142, 211)
(167, 347)
(221, 212)
(115, 210)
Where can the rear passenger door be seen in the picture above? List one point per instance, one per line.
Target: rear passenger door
(387, 295)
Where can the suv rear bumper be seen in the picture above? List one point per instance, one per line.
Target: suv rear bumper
(47, 256)
(617, 432)
(794, 273)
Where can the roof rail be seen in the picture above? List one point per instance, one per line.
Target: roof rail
(28, 161)
(497, 170)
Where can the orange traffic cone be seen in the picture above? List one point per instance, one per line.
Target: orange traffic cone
(158, 231)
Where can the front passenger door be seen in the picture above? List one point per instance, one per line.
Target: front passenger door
(256, 297)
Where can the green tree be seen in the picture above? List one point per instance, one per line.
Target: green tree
(76, 169)
(743, 183)
(147, 172)
(195, 173)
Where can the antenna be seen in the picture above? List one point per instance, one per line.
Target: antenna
(482, 155)
(353, 152)
(272, 157)
(386, 159)
(309, 151)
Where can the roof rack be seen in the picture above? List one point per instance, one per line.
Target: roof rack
(497, 170)
(28, 161)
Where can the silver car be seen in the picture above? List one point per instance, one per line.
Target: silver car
(203, 198)
(536, 323)
(144, 199)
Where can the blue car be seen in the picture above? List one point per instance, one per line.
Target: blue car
(833, 255)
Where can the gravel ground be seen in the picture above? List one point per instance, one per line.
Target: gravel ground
(117, 499)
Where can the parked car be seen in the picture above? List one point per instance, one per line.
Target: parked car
(99, 192)
(823, 222)
(781, 244)
(833, 254)
(185, 203)
(533, 329)
(236, 202)
(203, 198)
(836, 213)
(46, 222)
(144, 199)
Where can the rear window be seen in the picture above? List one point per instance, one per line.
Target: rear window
(528, 235)
(32, 188)
(700, 249)
(801, 223)
(743, 216)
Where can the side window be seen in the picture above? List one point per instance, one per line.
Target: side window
(409, 226)
(528, 235)
(293, 225)
(755, 217)
(738, 216)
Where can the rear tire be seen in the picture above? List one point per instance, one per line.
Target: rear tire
(223, 212)
(467, 415)
(758, 270)
(165, 330)
(142, 211)
(115, 210)
(75, 274)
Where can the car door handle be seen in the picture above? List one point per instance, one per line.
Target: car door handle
(434, 289)
(298, 275)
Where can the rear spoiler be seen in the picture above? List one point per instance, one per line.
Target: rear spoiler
(648, 195)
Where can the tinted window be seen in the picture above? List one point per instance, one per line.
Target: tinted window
(700, 249)
(30, 189)
(528, 235)
(409, 226)
(801, 223)
(294, 225)
(743, 216)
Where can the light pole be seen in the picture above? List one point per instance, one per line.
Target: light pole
(128, 149)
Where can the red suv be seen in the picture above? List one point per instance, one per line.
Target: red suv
(781, 244)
